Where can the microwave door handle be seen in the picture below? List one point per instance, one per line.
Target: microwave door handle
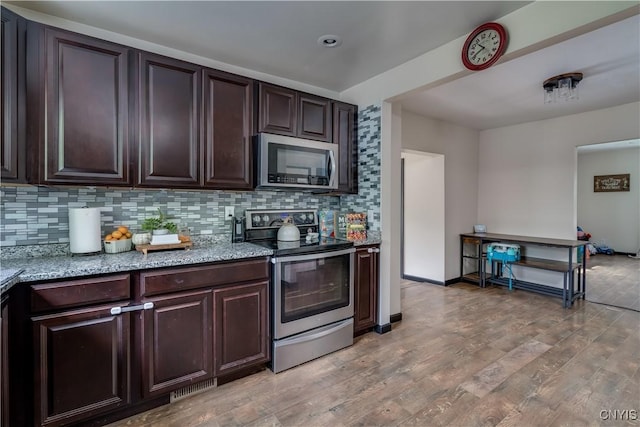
(332, 168)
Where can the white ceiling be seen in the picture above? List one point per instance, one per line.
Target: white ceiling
(511, 92)
(280, 38)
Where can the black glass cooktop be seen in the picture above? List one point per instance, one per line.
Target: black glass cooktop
(304, 246)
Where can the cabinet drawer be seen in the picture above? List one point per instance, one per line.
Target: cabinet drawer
(178, 279)
(76, 293)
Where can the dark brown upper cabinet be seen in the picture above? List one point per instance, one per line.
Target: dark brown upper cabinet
(314, 117)
(83, 130)
(228, 128)
(169, 122)
(288, 112)
(278, 111)
(345, 134)
(13, 144)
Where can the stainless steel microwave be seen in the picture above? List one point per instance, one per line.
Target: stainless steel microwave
(296, 163)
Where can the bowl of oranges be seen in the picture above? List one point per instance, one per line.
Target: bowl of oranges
(118, 240)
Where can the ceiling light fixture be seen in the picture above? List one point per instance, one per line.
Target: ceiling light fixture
(563, 87)
(330, 40)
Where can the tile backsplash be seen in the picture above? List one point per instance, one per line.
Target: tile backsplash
(34, 215)
(37, 215)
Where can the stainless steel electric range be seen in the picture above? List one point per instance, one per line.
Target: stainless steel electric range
(312, 287)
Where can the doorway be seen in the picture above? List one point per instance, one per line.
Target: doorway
(611, 221)
(422, 218)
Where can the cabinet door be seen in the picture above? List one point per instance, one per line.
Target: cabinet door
(314, 118)
(177, 342)
(366, 289)
(169, 122)
(345, 134)
(4, 363)
(12, 149)
(228, 122)
(241, 328)
(87, 121)
(81, 365)
(278, 110)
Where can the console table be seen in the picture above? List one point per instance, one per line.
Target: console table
(569, 291)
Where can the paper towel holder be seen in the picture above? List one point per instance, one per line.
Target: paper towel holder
(85, 235)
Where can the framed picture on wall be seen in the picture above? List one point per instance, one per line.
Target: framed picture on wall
(609, 183)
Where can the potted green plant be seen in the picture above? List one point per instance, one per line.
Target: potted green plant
(160, 224)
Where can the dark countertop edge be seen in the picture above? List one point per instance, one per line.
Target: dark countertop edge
(12, 278)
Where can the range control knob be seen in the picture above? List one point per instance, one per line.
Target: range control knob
(255, 219)
(265, 218)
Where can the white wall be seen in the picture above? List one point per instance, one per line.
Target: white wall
(527, 173)
(423, 246)
(527, 181)
(614, 217)
(459, 145)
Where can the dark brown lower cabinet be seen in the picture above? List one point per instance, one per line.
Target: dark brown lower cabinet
(4, 361)
(241, 331)
(91, 352)
(81, 364)
(365, 293)
(177, 342)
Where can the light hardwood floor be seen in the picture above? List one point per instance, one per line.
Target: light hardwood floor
(461, 356)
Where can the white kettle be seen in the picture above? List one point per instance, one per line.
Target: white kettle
(288, 232)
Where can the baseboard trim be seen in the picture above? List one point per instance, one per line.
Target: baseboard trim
(383, 329)
(395, 317)
(452, 281)
(422, 280)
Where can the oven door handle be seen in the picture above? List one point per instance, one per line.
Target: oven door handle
(316, 255)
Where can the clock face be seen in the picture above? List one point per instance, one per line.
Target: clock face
(484, 46)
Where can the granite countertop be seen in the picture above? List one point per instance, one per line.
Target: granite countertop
(370, 240)
(32, 269)
(8, 278)
(47, 268)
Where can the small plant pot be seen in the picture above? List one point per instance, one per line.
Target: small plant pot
(160, 231)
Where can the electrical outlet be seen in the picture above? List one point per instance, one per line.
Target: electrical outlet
(228, 213)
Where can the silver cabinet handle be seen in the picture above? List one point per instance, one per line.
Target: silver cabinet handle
(119, 310)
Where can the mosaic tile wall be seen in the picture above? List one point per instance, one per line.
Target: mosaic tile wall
(368, 197)
(38, 215)
(33, 215)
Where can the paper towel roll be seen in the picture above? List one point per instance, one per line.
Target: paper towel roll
(84, 230)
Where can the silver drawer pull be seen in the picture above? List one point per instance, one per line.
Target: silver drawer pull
(119, 310)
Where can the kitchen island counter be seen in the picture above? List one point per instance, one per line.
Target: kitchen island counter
(61, 267)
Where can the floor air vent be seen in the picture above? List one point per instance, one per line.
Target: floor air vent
(192, 389)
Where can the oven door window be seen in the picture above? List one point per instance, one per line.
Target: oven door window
(314, 286)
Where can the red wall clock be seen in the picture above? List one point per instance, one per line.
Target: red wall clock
(484, 46)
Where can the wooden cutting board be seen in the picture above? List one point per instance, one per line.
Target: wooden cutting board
(145, 248)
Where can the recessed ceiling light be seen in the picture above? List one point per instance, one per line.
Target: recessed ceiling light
(330, 40)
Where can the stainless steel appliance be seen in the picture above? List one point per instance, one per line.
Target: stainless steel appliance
(289, 162)
(312, 288)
